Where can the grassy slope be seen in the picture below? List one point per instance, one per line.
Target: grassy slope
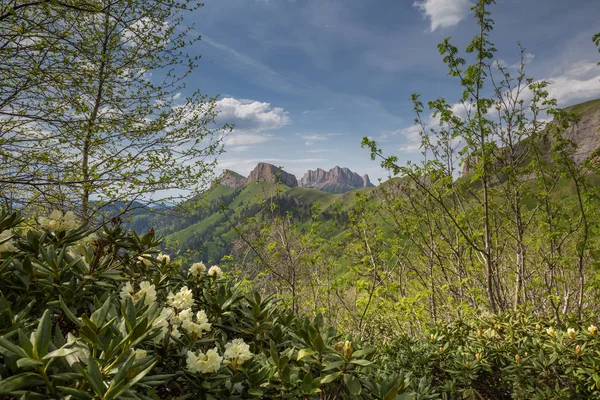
(585, 108)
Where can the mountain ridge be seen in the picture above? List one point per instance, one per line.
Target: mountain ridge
(336, 180)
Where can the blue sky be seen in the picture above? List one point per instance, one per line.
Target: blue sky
(304, 80)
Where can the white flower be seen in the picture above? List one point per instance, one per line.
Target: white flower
(215, 270)
(145, 259)
(140, 353)
(127, 290)
(198, 327)
(550, 331)
(79, 247)
(183, 316)
(162, 323)
(147, 289)
(592, 329)
(197, 269)
(571, 333)
(237, 351)
(182, 299)
(163, 257)
(202, 320)
(175, 332)
(58, 222)
(204, 363)
(8, 245)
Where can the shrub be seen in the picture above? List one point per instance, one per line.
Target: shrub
(103, 315)
(509, 356)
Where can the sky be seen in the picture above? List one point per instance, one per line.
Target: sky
(304, 80)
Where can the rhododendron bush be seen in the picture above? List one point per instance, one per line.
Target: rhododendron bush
(104, 315)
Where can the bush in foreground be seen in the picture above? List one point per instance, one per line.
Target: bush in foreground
(104, 315)
(509, 356)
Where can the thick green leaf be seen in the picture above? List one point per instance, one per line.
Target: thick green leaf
(43, 334)
(62, 352)
(27, 363)
(12, 383)
(305, 353)
(353, 384)
(13, 348)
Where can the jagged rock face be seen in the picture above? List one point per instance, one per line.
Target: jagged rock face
(232, 179)
(586, 135)
(336, 180)
(270, 173)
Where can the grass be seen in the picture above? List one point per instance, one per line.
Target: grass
(585, 108)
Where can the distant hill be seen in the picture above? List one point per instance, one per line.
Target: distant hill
(206, 224)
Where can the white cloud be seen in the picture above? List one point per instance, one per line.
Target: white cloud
(579, 82)
(252, 120)
(444, 13)
(251, 115)
(246, 138)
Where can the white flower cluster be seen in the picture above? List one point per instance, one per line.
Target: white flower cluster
(57, 222)
(236, 352)
(162, 322)
(215, 271)
(204, 362)
(185, 318)
(163, 258)
(197, 269)
(8, 244)
(145, 289)
(79, 247)
(182, 299)
(145, 259)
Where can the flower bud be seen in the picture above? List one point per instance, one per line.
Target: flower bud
(578, 349)
(518, 358)
(478, 357)
(347, 350)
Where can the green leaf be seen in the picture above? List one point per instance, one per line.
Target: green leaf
(13, 348)
(334, 365)
(130, 383)
(69, 313)
(26, 363)
(256, 392)
(43, 334)
(305, 353)
(353, 384)
(62, 352)
(362, 362)
(79, 394)
(94, 377)
(27, 379)
(330, 378)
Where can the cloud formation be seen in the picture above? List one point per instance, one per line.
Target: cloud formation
(443, 13)
(252, 120)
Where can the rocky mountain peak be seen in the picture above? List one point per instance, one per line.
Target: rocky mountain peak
(270, 173)
(232, 179)
(336, 180)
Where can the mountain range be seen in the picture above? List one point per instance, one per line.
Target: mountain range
(209, 223)
(336, 180)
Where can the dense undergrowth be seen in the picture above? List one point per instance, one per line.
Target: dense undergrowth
(104, 315)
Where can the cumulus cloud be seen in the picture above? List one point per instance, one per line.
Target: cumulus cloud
(251, 115)
(579, 82)
(443, 13)
(252, 121)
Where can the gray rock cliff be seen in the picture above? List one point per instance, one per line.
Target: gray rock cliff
(270, 173)
(232, 179)
(336, 180)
